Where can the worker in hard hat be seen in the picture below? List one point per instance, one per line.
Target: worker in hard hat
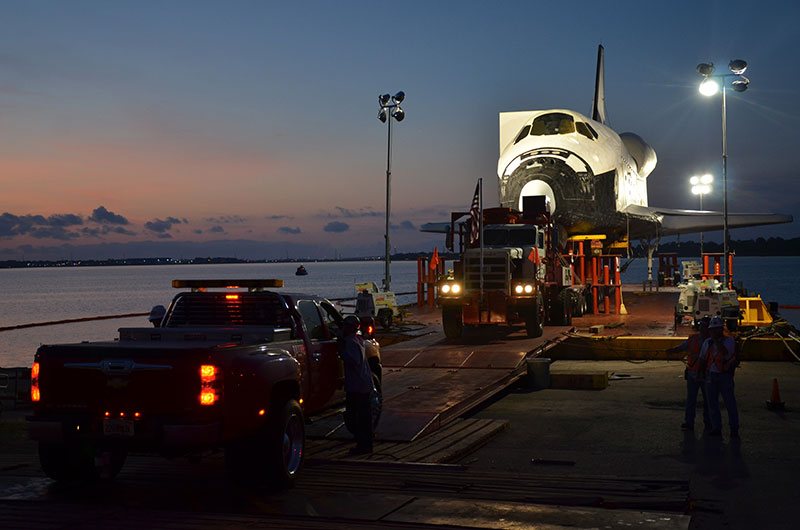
(157, 315)
(694, 381)
(718, 361)
(357, 385)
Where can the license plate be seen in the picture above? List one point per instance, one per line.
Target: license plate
(118, 427)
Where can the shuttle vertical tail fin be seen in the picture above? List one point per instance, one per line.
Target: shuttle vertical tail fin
(599, 102)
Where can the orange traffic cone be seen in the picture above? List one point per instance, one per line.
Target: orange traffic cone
(775, 402)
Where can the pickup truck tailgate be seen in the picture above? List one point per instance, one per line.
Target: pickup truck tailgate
(109, 376)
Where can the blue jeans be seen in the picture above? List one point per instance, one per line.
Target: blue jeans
(717, 384)
(692, 386)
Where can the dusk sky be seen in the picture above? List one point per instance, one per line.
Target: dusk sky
(249, 128)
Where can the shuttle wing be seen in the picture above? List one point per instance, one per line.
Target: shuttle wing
(673, 222)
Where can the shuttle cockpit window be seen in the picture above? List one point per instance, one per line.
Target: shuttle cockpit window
(522, 134)
(584, 130)
(553, 123)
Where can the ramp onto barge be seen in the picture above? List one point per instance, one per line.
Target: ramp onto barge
(429, 381)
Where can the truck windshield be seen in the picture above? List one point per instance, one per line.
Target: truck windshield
(505, 237)
(228, 309)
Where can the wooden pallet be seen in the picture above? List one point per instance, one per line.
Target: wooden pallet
(447, 444)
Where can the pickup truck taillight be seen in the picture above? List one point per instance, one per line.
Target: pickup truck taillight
(35, 394)
(210, 383)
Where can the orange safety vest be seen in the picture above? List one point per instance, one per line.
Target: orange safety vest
(718, 358)
(695, 344)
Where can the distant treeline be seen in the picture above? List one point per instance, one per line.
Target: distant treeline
(18, 264)
(773, 246)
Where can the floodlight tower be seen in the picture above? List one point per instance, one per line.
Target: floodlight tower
(709, 87)
(701, 186)
(390, 108)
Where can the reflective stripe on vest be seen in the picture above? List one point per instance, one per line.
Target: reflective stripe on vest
(695, 344)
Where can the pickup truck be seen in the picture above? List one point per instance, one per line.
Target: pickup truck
(227, 368)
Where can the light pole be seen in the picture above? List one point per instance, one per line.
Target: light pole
(709, 87)
(390, 108)
(701, 186)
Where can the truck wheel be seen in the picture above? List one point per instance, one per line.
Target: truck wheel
(578, 305)
(65, 462)
(385, 317)
(376, 400)
(272, 457)
(58, 461)
(451, 322)
(562, 309)
(285, 439)
(534, 318)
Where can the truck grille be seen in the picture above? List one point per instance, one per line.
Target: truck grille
(496, 273)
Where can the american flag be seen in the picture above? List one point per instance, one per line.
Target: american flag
(474, 214)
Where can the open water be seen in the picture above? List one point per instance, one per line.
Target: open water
(48, 294)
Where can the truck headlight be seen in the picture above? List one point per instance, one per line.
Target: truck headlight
(518, 289)
(528, 289)
(450, 288)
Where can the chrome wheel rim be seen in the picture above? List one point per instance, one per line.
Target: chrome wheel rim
(293, 442)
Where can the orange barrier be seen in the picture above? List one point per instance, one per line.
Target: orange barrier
(427, 279)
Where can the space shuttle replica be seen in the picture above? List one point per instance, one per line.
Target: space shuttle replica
(595, 179)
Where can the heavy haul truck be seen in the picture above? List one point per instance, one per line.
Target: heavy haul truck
(518, 276)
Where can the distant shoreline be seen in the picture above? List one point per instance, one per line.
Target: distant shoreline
(760, 247)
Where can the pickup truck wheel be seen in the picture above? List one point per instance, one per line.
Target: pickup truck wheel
(534, 318)
(451, 322)
(285, 439)
(376, 401)
(71, 461)
(271, 457)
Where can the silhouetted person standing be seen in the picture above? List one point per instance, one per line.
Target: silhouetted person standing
(693, 375)
(718, 360)
(357, 385)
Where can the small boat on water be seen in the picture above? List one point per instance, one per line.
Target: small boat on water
(301, 271)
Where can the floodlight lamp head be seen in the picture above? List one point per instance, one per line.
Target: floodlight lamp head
(399, 97)
(709, 87)
(694, 181)
(708, 178)
(740, 85)
(398, 114)
(705, 69)
(737, 66)
(383, 99)
(382, 116)
(696, 190)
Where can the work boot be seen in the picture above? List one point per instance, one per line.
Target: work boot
(734, 432)
(687, 426)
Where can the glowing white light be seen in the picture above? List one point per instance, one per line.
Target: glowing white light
(456, 288)
(529, 288)
(707, 179)
(709, 87)
(694, 181)
(445, 289)
(518, 289)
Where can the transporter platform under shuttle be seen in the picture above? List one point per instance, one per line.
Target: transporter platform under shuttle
(595, 178)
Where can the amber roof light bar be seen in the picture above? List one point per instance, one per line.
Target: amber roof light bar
(251, 285)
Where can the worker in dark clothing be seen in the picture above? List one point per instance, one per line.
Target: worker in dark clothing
(718, 361)
(357, 385)
(692, 346)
